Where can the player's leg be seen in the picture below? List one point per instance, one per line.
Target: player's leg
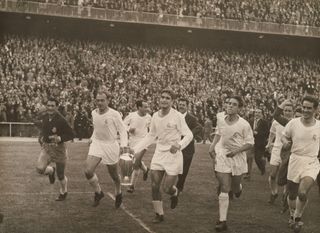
(115, 175)
(138, 164)
(187, 159)
(156, 179)
(318, 182)
(63, 181)
(91, 164)
(170, 188)
(260, 160)
(250, 156)
(301, 201)
(273, 183)
(292, 189)
(225, 187)
(43, 166)
(236, 186)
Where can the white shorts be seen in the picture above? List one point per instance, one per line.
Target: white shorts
(275, 157)
(236, 166)
(134, 141)
(108, 152)
(300, 167)
(172, 164)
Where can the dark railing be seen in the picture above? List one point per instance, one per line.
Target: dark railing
(159, 19)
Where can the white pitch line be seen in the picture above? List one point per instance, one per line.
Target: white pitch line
(138, 220)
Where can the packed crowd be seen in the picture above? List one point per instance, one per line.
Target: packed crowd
(31, 69)
(298, 12)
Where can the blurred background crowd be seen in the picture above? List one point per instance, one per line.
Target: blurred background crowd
(298, 12)
(33, 68)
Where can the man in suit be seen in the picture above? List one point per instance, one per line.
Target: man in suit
(260, 131)
(187, 152)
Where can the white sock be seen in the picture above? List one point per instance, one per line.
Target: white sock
(273, 186)
(157, 206)
(223, 206)
(300, 206)
(94, 182)
(64, 185)
(143, 167)
(118, 185)
(48, 170)
(292, 206)
(134, 176)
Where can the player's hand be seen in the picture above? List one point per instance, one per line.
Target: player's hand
(174, 148)
(212, 152)
(284, 103)
(132, 130)
(287, 144)
(231, 154)
(269, 147)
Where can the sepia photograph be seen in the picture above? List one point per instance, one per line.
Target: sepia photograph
(159, 116)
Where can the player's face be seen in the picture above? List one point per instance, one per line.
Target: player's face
(51, 107)
(183, 106)
(165, 100)
(225, 106)
(258, 114)
(308, 110)
(144, 108)
(288, 112)
(232, 106)
(102, 101)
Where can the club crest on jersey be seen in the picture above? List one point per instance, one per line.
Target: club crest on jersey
(170, 125)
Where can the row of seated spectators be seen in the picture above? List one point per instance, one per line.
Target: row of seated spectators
(33, 68)
(297, 12)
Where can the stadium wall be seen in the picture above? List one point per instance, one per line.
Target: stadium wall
(40, 25)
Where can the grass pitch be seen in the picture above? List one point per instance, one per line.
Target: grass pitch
(28, 200)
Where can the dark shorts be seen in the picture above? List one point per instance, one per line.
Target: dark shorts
(56, 153)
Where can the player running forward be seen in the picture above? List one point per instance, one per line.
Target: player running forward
(104, 146)
(303, 135)
(55, 131)
(275, 161)
(235, 137)
(167, 127)
(138, 123)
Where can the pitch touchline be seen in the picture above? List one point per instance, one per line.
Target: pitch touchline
(138, 220)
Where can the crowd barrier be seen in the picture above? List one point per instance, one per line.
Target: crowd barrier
(18, 129)
(23, 6)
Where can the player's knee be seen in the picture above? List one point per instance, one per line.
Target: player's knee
(273, 177)
(40, 170)
(60, 176)
(292, 196)
(155, 186)
(302, 196)
(88, 174)
(166, 189)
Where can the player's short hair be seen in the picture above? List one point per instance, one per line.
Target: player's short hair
(298, 109)
(52, 99)
(139, 103)
(105, 92)
(169, 92)
(311, 99)
(238, 98)
(184, 100)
